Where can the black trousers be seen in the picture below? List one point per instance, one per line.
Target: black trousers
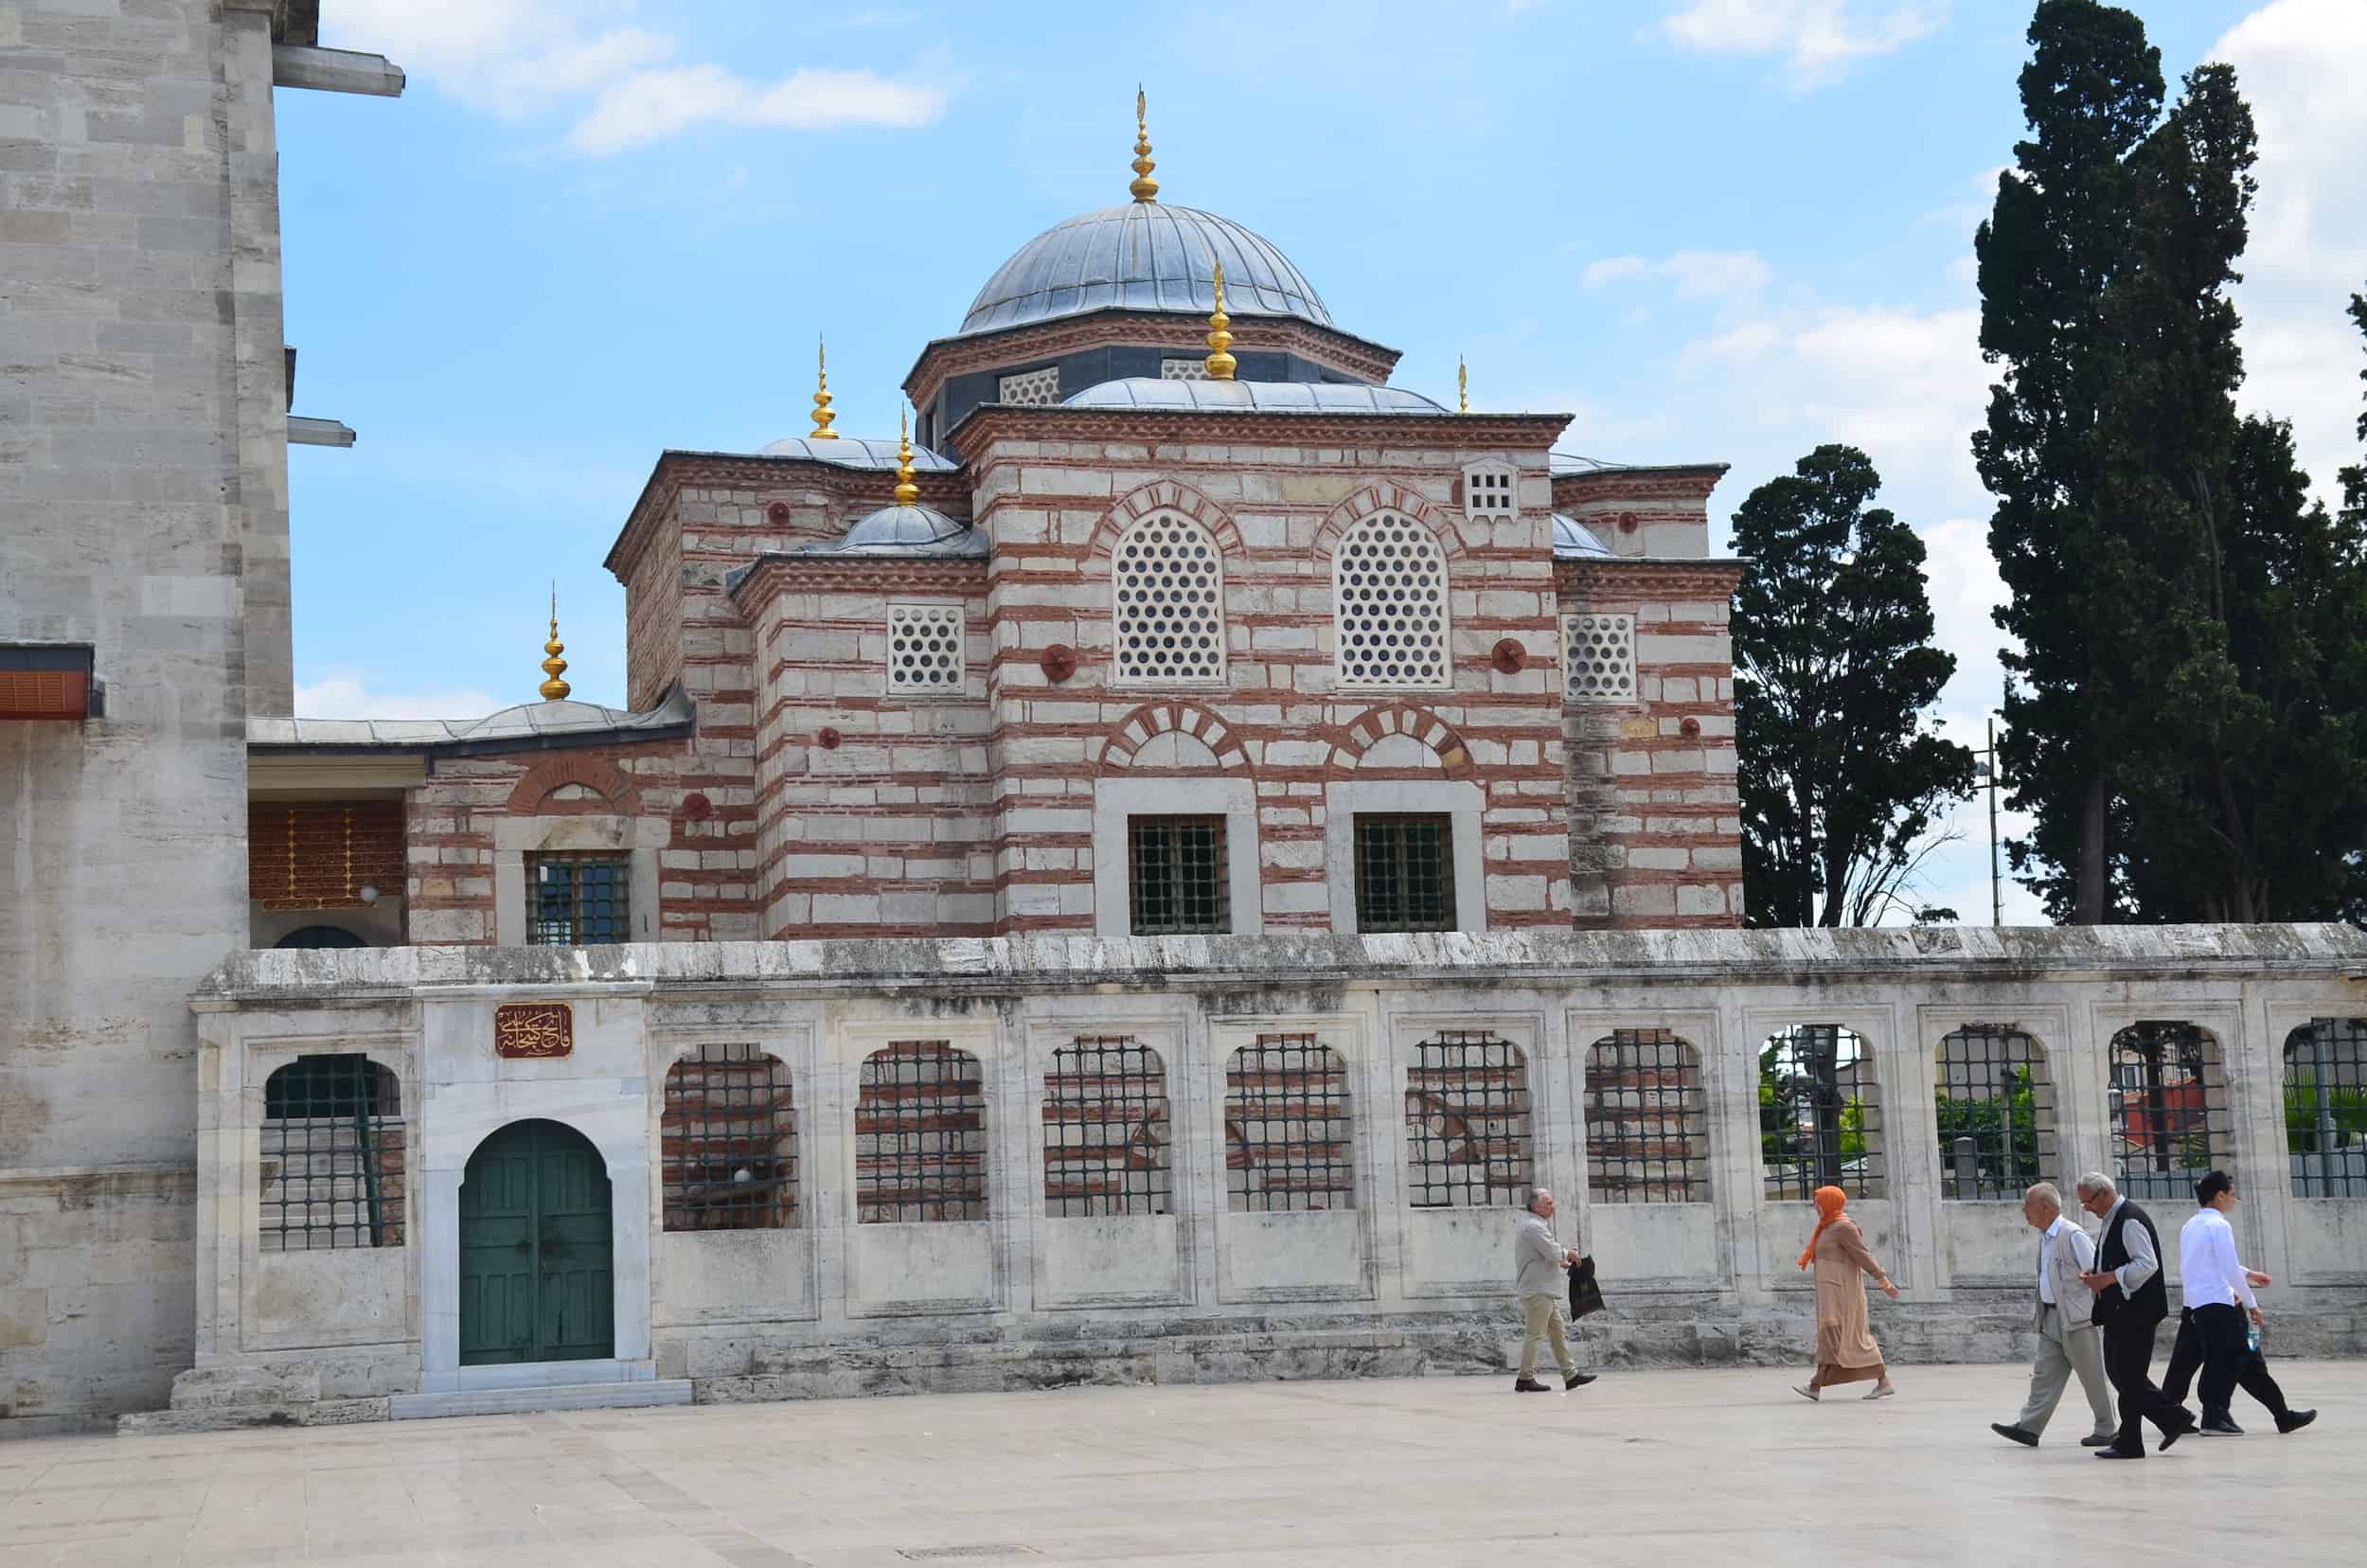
(2127, 1358)
(2251, 1373)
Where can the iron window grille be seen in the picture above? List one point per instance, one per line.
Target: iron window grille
(1647, 1119)
(1290, 1139)
(1820, 1113)
(727, 1141)
(577, 899)
(1994, 1112)
(2168, 1109)
(1105, 1129)
(1177, 882)
(333, 1155)
(920, 1135)
(1404, 871)
(2326, 1107)
(1466, 1123)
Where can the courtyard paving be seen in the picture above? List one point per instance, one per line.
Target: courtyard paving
(1645, 1467)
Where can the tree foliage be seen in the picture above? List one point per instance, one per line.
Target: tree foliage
(1834, 670)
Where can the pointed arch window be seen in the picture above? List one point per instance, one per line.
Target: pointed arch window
(1169, 590)
(1389, 593)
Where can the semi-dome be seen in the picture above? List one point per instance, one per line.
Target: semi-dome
(1144, 256)
(905, 530)
(1574, 539)
(855, 453)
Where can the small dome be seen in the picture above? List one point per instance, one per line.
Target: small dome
(1573, 539)
(851, 452)
(905, 531)
(1144, 256)
(1254, 396)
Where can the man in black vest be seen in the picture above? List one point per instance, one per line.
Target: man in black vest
(2132, 1301)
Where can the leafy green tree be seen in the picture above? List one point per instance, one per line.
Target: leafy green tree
(2354, 478)
(1834, 670)
(2063, 230)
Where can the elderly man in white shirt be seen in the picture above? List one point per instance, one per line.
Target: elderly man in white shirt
(2063, 1312)
(2219, 1293)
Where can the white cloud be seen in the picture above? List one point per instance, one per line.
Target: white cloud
(1696, 273)
(346, 696)
(525, 58)
(1817, 37)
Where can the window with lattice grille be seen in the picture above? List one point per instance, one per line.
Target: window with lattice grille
(1404, 871)
(727, 1141)
(1031, 388)
(1488, 491)
(2168, 1110)
(1177, 880)
(925, 648)
(1466, 1123)
(1289, 1142)
(577, 898)
(1820, 1113)
(1105, 1129)
(1389, 586)
(1995, 1112)
(2326, 1107)
(1168, 584)
(333, 1155)
(1598, 657)
(1648, 1120)
(920, 1135)
(1190, 369)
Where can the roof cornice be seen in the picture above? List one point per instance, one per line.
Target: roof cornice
(774, 572)
(946, 490)
(946, 356)
(989, 422)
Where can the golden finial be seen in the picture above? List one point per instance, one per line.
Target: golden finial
(1219, 363)
(1144, 189)
(906, 492)
(821, 415)
(554, 689)
(1462, 384)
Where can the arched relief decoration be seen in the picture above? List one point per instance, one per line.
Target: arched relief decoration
(1164, 495)
(1350, 747)
(545, 790)
(1141, 728)
(1382, 496)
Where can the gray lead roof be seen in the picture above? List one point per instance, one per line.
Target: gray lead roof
(856, 452)
(1254, 396)
(1144, 256)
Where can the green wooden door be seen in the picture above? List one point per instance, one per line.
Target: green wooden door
(535, 1243)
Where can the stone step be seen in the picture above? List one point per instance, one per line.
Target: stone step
(512, 1401)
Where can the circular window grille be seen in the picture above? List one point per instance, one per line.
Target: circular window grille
(924, 647)
(1171, 603)
(1599, 655)
(1391, 585)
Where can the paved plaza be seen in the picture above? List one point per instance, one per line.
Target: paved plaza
(1645, 1468)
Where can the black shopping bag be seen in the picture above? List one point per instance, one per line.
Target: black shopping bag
(1586, 1296)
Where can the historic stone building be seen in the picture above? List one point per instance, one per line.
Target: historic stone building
(1131, 886)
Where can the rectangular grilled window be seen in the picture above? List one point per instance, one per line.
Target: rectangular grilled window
(333, 1155)
(920, 1135)
(727, 1141)
(577, 900)
(1290, 1137)
(1404, 872)
(1467, 1122)
(1176, 875)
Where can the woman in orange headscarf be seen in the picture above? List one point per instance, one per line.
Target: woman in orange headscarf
(1845, 1351)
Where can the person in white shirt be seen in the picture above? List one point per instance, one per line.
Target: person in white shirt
(2063, 1314)
(2219, 1293)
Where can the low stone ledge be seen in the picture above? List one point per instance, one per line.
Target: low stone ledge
(235, 1418)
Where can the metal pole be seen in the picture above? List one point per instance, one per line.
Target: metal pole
(1997, 896)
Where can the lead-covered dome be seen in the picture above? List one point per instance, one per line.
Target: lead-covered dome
(1144, 256)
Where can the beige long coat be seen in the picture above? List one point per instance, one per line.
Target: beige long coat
(1843, 1263)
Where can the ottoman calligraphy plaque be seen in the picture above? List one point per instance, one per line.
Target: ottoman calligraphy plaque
(533, 1030)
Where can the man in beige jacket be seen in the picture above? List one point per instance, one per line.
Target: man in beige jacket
(1539, 1261)
(2063, 1312)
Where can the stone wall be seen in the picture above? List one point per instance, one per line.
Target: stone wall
(1213, 1281)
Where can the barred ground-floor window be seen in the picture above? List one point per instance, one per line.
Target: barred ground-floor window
(1647, 1119)
(920, 1135)
(1105, 1129)
(727, 1141)
(1467, 1122)
(333, 1155)
(1290, 1133)
(2326, 1107)
(1820, 1113)
(1995, 1112)
(2168, 1109)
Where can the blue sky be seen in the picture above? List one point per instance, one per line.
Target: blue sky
(1711, 229)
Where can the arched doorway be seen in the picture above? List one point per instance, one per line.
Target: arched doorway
(536, 1241)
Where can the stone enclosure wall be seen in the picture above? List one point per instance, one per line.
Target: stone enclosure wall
(1309, 1196)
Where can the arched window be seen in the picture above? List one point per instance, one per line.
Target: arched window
(727, 1141)
(1169, 585)
(1995, 1112)
(1105, 1129)
(320, 937)
(1466, 1123)
(920, 1135)
(2326, 1107)
(1290, 1140)
(2168, 1105)
(333, 1155)
(1389, 591)
(1648, 1120)
(1820, 1113)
